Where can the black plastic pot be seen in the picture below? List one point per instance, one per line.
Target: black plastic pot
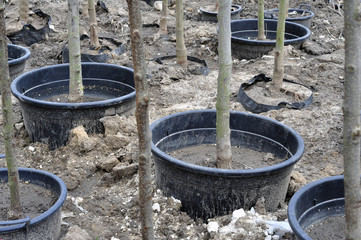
(17, 56)
(48, 224)
(244, 37)
(212, 16)
(207, 192)
(304, 17)
(51, 122)
(314, 202)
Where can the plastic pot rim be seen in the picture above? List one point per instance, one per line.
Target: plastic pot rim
(271, 42)
(311, 14)
(59, 105)
(239, 8)
(229, 172)
(21, 59)
(42, 217)
(292, 219)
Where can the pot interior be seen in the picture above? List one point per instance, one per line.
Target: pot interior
(94, 89)
(194, 137)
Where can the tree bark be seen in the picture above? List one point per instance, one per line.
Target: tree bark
(24, 11)
(224, 153)
(351, 110)
(94, 40)
(163, 19)
(261, 35)
(278, 70)
(216, 7)
(142, 116)
(181, 49)
(15, 211)
(76, 89)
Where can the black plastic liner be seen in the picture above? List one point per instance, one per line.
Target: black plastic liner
(203, 70)
(29, 35)
(105, 52)
(250, 105)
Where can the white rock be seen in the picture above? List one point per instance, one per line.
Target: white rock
(158, 5)
(238, 213)
(156, 207)
(114, 238)
(212, 227)
(277, 225)
(31, 148)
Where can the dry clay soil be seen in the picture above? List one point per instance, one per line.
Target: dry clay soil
(102, 200)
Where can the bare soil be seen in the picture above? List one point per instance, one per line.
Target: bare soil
(35, 200)
(102, 176)
(331, 228)
(242, 158)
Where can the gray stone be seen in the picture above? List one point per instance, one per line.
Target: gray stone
(76, 233)
(122, 170)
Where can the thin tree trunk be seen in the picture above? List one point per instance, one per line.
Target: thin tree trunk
(94, 40)
(163, 19)
(24, 11)
(181, 49)
(76, 90)
(351, 110)
(216, 8)
(142, 116)
(261, 35)
(84, 8)
(278, 70)
(15, 211)
(224, 154)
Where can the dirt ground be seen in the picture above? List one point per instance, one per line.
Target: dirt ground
(103, 200)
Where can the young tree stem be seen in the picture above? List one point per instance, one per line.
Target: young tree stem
(76, 89)
(15, 210)
(224, 154)
(142, 116)
(351, 110)
(278, 70)
(94, 40)
(261, 35)
(181, 49)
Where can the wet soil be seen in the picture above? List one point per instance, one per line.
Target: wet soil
(242, 158)
(101, 176)
(35, 200)
(331, 228)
